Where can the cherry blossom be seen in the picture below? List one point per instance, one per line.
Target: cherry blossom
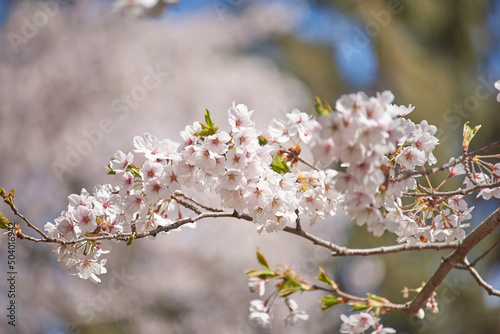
(357, 323)
(259, 313)
(265, 178)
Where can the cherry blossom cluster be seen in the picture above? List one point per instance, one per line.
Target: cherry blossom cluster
(263, 175)
(234, 165)
(86, 215)
(377, 147)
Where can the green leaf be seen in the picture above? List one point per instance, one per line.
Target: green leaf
(262, 260)
(279, 166)
(323, 277)
(129, 242)
(208, 120)
(358, 306)
(329, 301)
(3, 193)
(376, 298)
(133, 171)
(469, 133)
(287, 291)
(260, 273)
(206, 132)
(322, 107)
(262, 140)
(4, 222)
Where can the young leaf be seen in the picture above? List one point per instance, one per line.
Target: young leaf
(262, 260)
(262, 140)
(358, 306)
(129, 242)
(322, 107)
(469, 133)
(260, 273)
(377, 298)
(287, 291)
(133, 171)
(329, 301)
(5, 223)
(323, 277)
(208, 120)
(279, 166)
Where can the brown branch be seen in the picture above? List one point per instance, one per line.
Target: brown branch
(482, 256)
(486, 148)
(427, 192)
(458, 256)
(187, 205)
(344, 251)
(188, 220)
(347, 296)
(489, 289)
(308, 164)
(468, 172)
(26, 220)
(140, 235)
(178, 193)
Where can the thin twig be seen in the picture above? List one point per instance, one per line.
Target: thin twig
(347, 296)
(486, 148)
(206, 207)
(187, 205)
(344, 251)
(468, 172)
(454, 192)
(489, 289)
(307, 163)
(140, 235)
(482, 256)
(26, 220)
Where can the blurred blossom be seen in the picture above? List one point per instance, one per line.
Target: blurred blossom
(143, 8)
(364, 274)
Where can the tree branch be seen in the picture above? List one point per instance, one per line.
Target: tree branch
(178, 193)
(482, 256)
(138, 235)
(26, 220)
(426, 192)
(458, 256)
(491, 291)
(344, 251)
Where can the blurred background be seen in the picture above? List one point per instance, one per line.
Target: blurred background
(79, 79)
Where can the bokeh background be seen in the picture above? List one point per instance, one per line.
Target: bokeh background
(62, 78)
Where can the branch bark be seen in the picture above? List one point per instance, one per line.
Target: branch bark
(457, 257)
